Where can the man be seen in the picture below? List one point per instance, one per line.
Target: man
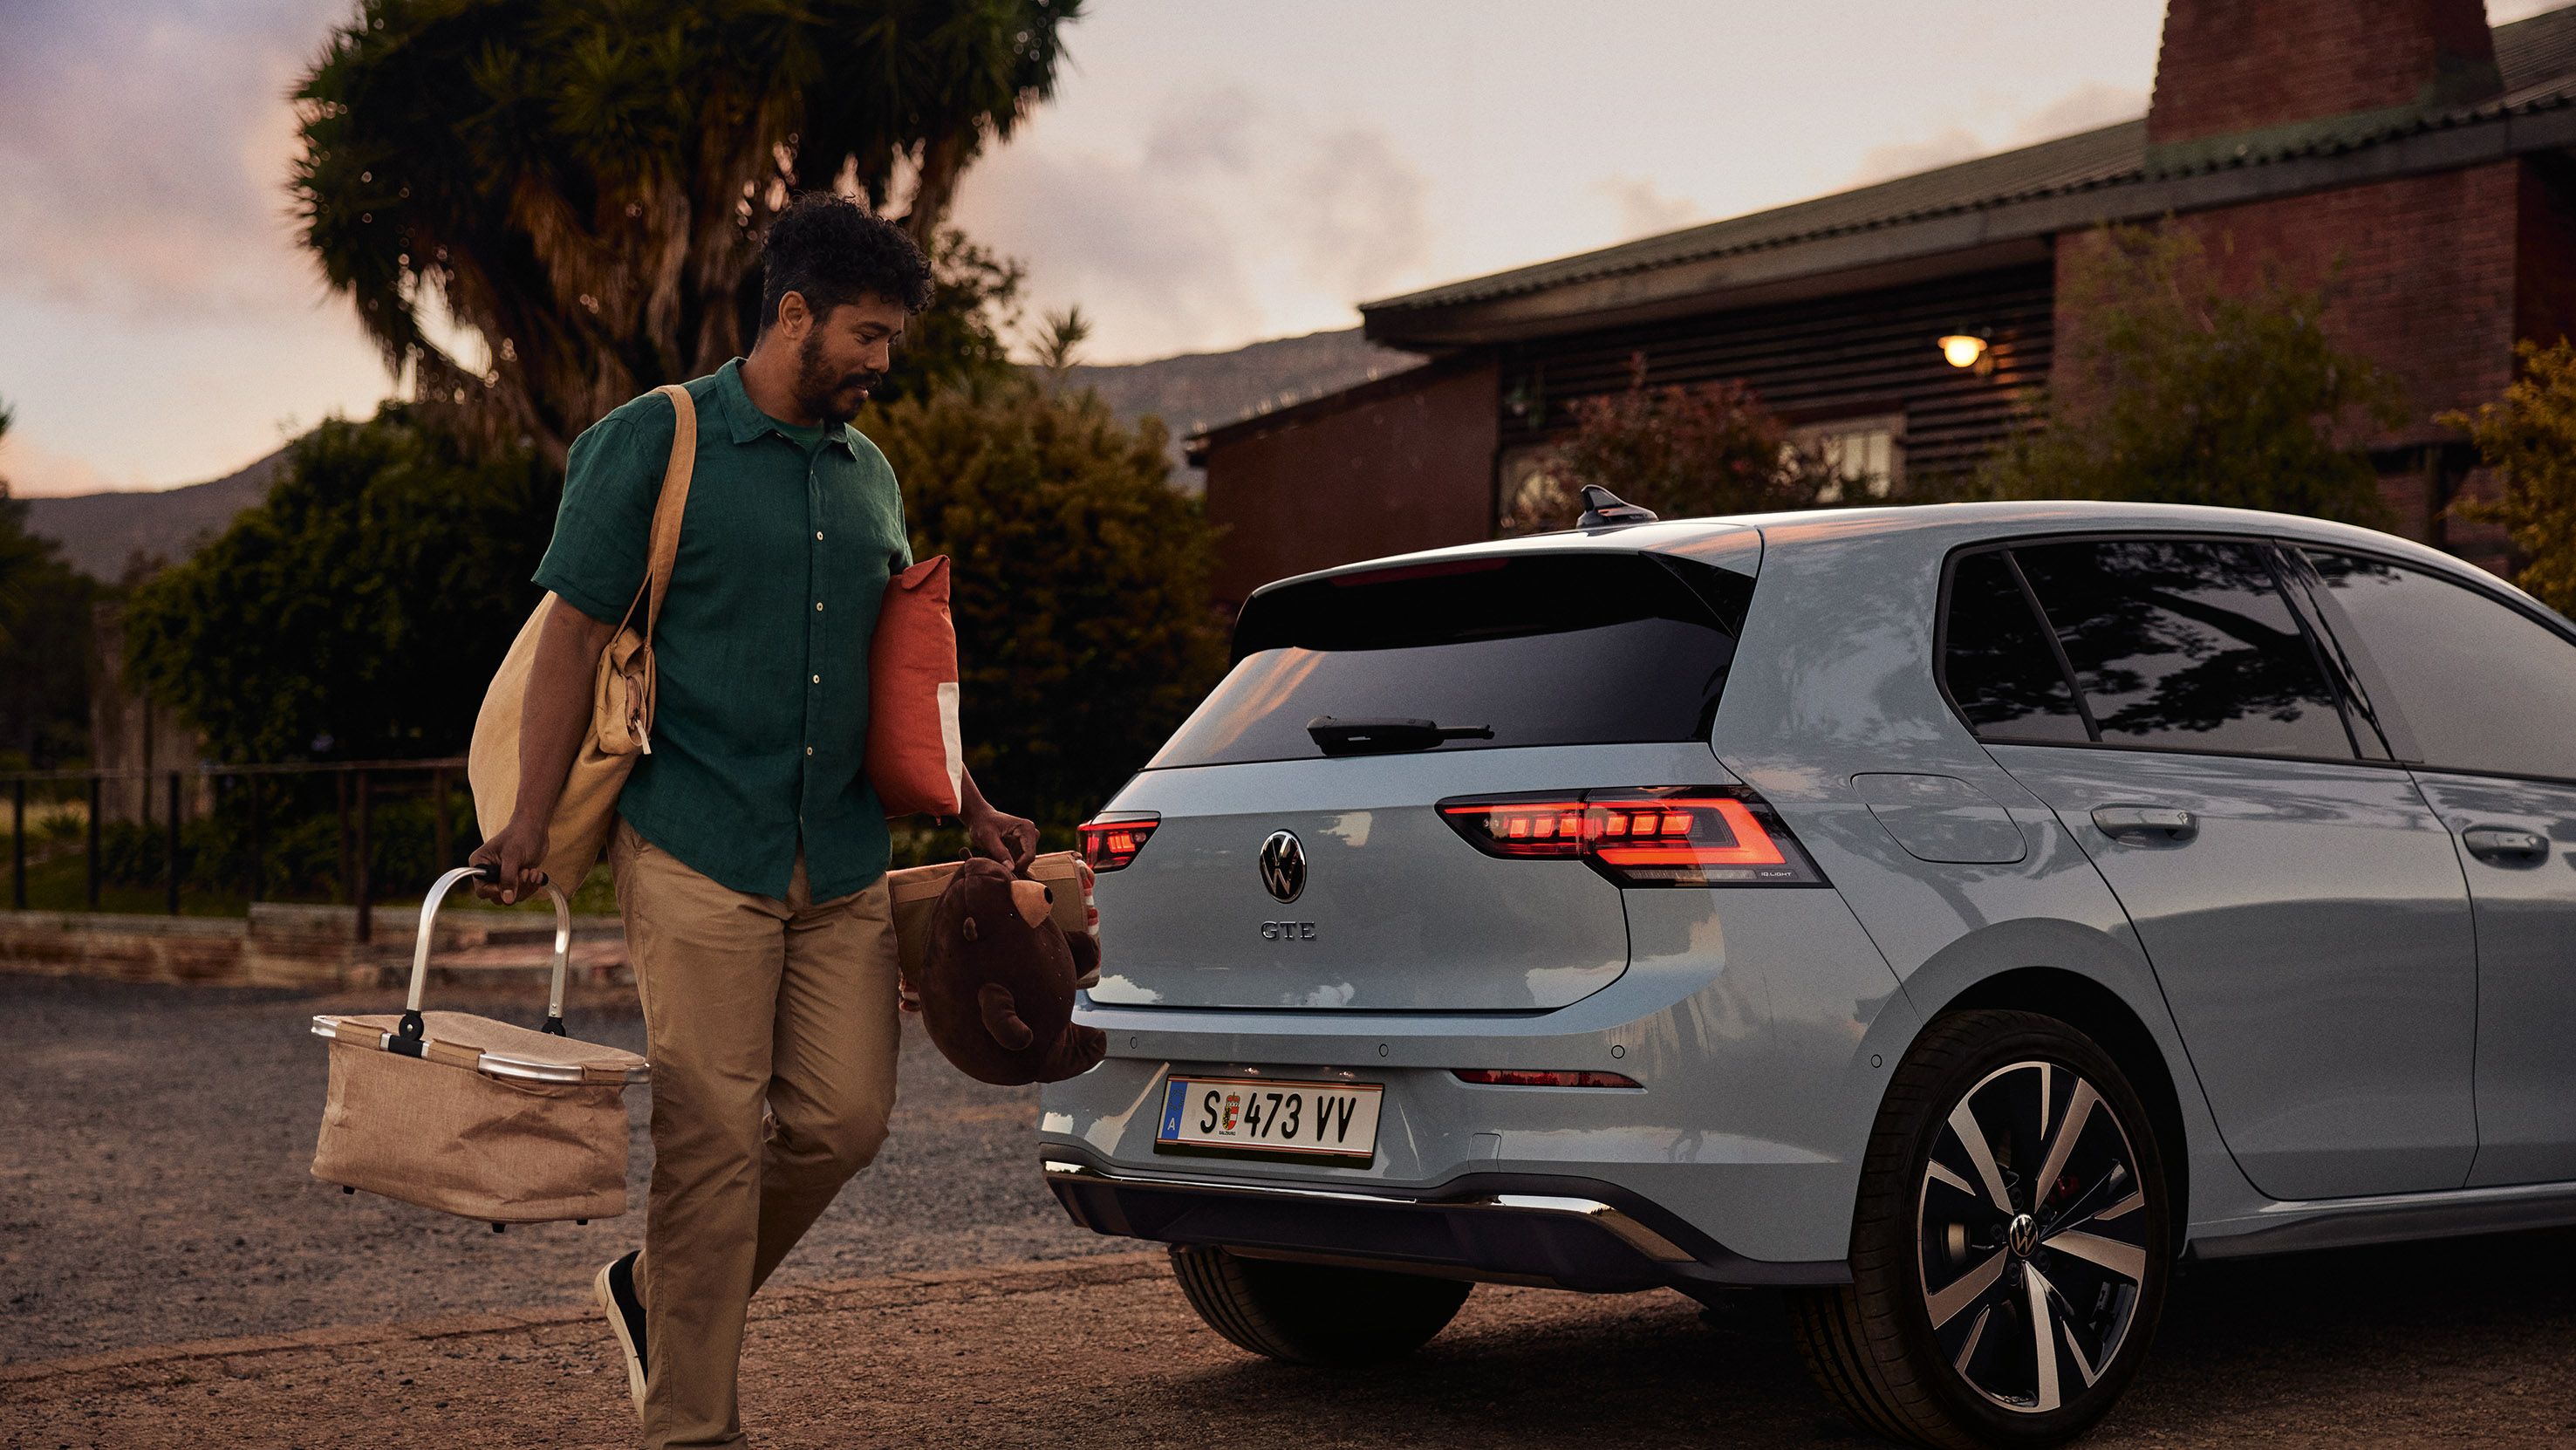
(750, 849)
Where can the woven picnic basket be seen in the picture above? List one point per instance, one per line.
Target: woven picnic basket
(474, 1117)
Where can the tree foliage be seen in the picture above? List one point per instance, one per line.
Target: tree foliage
(20, 551)
(342, 619)
(2529, 438)
(45, 654)
(44, 642)
(579, 185)
(1059, 346)
(359, 611)
(1084, 632)
(1684, 452)
(963, 336)
(2174, 388)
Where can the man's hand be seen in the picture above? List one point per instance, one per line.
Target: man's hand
(519, 850)
(1000, 836)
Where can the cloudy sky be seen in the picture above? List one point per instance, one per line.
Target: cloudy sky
(1212, 172)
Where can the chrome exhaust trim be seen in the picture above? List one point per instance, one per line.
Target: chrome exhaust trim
(1627, 1229)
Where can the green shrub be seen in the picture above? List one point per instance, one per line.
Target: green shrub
(1084, 631)
(2529, 438)
(2173, 388)
(358, 612)
(299, 856)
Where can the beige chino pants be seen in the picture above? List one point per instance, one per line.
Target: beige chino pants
(772, 1029)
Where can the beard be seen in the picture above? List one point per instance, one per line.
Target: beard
(829, 394)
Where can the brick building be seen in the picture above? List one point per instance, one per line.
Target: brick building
(2429, 159)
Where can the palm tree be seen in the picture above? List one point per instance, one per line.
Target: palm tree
(579, 186)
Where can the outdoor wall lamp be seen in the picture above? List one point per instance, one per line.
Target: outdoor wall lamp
(1963, 349)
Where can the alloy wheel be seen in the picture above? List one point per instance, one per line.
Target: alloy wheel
(2033, 1239)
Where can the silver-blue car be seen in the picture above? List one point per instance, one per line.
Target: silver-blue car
(1956, 915)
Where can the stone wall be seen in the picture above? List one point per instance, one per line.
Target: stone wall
(296, 946)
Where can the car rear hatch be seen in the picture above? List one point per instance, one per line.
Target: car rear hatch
(1294, 851)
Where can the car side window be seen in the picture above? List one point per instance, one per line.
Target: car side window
(2481, 685)
(2187, 644)
(1997, 662)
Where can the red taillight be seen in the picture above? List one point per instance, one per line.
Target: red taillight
(1532, 1077)
(1665, 836)
(1108, 845)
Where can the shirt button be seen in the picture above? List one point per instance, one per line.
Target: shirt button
(818, 679)
(818, 606)
(818, 536)
(809, 749)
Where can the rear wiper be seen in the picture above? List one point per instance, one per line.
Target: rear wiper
(1387, 737)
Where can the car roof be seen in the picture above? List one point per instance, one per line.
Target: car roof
(2010, 518)
(1737, 540)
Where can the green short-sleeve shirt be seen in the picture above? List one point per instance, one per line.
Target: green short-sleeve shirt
(761, 711)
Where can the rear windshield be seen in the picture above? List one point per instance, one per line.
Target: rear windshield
(1564, 649)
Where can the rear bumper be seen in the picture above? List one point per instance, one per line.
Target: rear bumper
(1567, 1233)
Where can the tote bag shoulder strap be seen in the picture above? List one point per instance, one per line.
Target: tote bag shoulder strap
(674, 502)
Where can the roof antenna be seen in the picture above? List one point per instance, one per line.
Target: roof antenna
(1602, 508)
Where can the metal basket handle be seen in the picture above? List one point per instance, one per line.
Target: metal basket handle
(408, 1034)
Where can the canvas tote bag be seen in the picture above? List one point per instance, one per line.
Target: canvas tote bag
(621, 706)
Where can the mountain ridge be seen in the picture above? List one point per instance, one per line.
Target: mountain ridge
(101, 532)
(1191, 392)
(1196, 391)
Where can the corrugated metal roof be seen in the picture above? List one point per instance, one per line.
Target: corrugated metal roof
(2537, 57)
(2543, 46)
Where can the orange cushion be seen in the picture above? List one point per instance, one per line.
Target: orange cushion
(914, 755)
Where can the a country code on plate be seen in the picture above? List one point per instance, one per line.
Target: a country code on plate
(1263, 1118)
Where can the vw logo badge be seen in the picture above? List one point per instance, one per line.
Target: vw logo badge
(2022, 1236)
(1283, 865)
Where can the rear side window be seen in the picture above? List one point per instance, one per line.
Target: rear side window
(2186, 644)
(1567, 649)
(1997, 661)
(2481, 685)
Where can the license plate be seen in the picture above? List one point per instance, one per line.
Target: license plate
(1260, 1118)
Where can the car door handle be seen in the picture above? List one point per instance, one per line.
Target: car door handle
(2146, 825)
(2490, 843)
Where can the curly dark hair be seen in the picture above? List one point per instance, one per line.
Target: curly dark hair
(829, 250)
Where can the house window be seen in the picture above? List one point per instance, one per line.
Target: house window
(1866, 454)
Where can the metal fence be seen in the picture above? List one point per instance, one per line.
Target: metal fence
(252, 796)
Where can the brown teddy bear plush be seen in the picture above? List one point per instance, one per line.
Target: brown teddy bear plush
(997, 984)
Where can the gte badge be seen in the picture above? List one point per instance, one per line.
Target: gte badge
(1283, 865)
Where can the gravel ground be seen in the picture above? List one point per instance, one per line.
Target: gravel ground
(152, 1190)
(155, 1142)
(2470, 1344)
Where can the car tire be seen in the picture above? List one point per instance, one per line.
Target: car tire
(1958, 1249)
(1315, 1313)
